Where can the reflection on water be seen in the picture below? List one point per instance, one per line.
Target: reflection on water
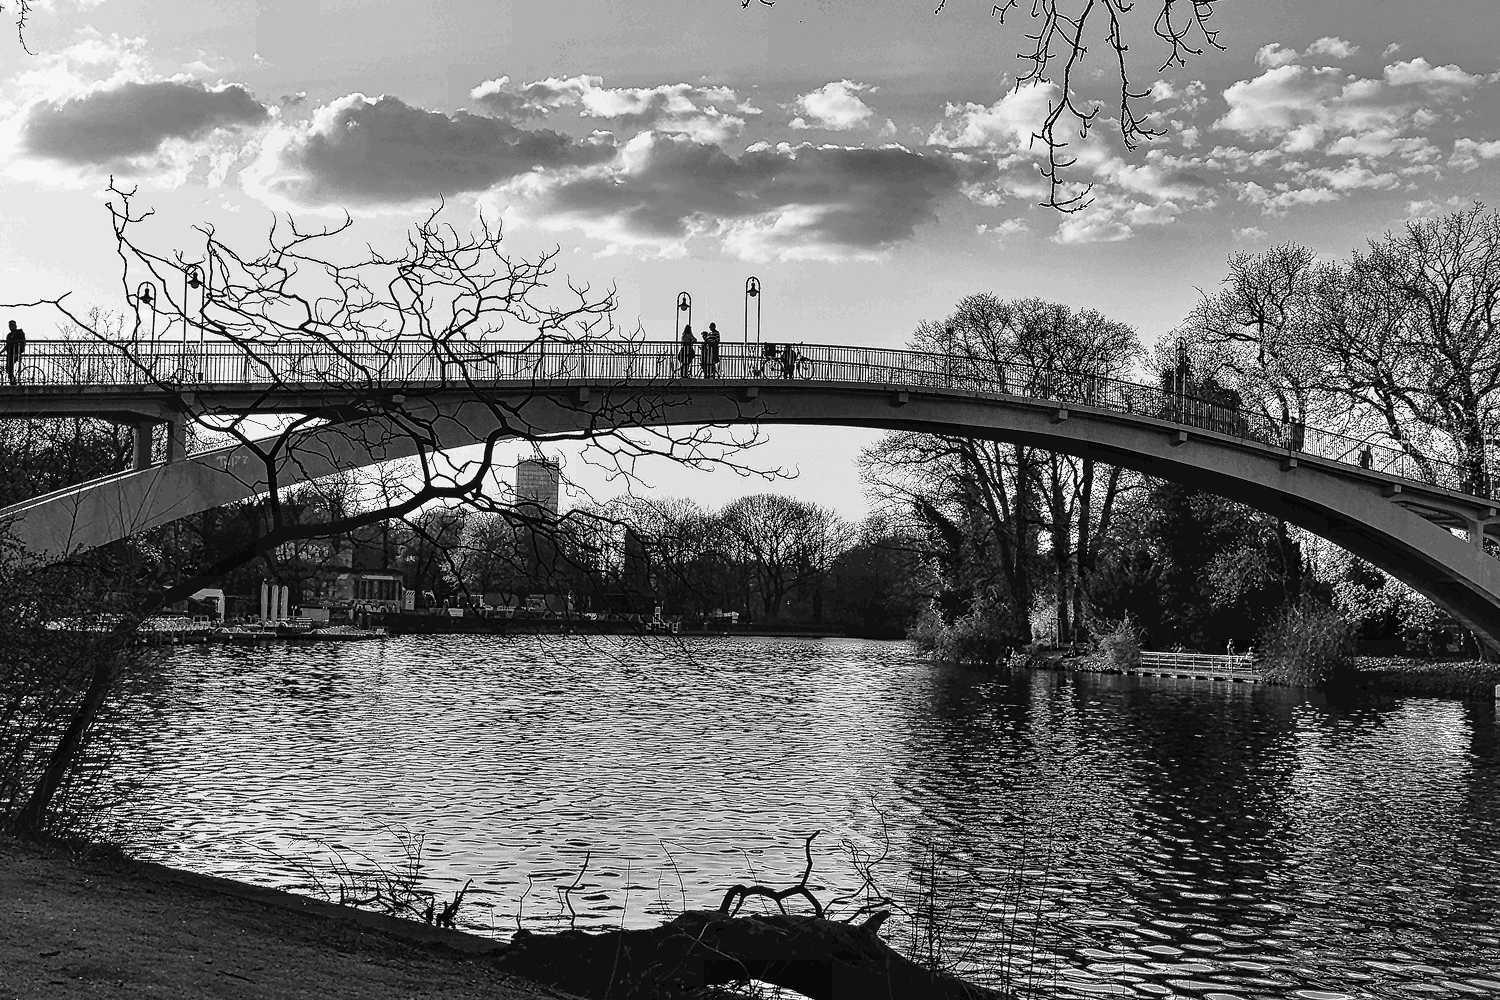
(1088, 835)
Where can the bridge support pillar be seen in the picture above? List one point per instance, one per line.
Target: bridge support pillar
(176, 438)
(141, 436)
(1476, 533)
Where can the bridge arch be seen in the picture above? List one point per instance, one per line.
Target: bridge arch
(1398, 524)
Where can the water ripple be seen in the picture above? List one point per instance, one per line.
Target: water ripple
(1085, 836)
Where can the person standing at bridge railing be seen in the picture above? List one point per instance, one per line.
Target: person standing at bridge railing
(711, 351)
(788, 361)
(685, 352)
(15, 344)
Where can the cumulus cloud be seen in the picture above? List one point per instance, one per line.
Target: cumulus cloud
(677, 108)
(1129, 191)
(132, 120)
(1003, 230)
(1383, 142)
(782, 202)
(1251, 234)
(364, 151)
(1274, 55)
(1335, 48)
(1008, 124)
(1308, 102)
(1377, 131)
(1418, 72)
(1282, 197)
(1467, 153)
(835, 106)
(1095, 224)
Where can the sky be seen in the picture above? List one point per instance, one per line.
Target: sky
(870, 162)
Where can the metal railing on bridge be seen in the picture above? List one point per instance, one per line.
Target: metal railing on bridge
(418, 363)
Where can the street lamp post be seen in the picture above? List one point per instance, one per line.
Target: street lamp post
(685, 305)
(1182, 377)
(145, 295)
(192, 277)
(752, 291)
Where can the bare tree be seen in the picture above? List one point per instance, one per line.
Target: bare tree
(1263, 332)
(784, 544)
(371, 368)
(1402, 342)
(1422, 341)
(22, 14)
(1059, 350)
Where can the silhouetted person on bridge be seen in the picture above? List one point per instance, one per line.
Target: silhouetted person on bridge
(1365, 457)
(788, 361)
(15, 344)
(711, 351)
(685, 352)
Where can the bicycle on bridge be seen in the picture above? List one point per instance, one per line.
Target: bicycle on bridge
(787, 362)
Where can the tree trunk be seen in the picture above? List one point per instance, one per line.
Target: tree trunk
(32, 818)
(821, 959)
(1022, 551)
(1062, 556)
(1082, 555)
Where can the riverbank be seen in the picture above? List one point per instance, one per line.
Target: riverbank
(420, 623)
(1397, 675)
(1387, 675)
(80, 924)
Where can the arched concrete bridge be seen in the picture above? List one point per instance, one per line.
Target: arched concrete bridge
(1395, 512)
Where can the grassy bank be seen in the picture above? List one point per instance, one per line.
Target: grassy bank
(81, 924)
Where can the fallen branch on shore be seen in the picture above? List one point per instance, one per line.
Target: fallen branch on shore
(819, 958)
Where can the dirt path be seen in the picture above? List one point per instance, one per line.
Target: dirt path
(72, 927)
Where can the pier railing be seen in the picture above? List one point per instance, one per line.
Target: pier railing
(419, 363)
(1225, 667)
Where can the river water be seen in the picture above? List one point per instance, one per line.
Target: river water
(1074, 834)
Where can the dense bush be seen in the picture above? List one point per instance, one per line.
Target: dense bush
(1309, 644)
(1119, 648)
(1032, 656)
(978, 637)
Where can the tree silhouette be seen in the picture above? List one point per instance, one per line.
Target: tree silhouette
(300, 365)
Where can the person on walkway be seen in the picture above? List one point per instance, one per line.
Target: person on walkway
(1230, 650)
(685, 352)
(711, 351)
(15, 344)
(1365, 457)
(788, 361)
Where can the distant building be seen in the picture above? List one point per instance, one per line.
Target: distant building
(537, 483)
(370, 590)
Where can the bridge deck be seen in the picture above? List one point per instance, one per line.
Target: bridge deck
(71, 377)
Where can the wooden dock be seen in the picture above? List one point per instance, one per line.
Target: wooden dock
(1199, 666)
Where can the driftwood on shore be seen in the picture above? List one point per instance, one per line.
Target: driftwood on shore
(819, 958)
